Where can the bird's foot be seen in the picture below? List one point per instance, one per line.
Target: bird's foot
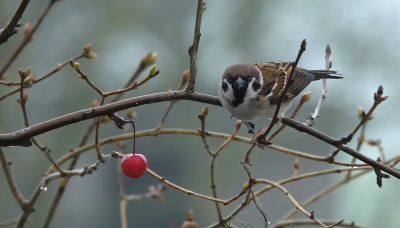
(260, 138)
(250, 126)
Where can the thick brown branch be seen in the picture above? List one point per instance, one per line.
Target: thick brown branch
(22, 137)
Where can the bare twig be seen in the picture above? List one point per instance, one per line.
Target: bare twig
(296, 204)
(195, 46)
(189, 192)
(10, 29)
(304, 98)
(261, 138)
(214, 156)
(152, 132)
(13, 187)
(27, 37)
(185, 79)
(303, 222)
(36, 80)
(8, 222)
(338, 144)
(328, 65)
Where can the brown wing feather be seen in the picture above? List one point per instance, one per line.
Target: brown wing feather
(279, 72)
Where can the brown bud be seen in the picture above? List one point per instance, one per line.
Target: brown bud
(59, 66)
(373, 142)
(121, 144)
(190, 215)
(71, 149)
(296, 164)
(27, 29)
(131, 114)
(87, 47)
(20, 72)
(305, 97)
(238, 124)
(9, 163)
(95, 103)
(149, 59)
(380, 90)
(361, 139)
(205, 111)
(360, 112)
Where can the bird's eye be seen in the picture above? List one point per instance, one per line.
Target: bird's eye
(248, 78)
(230, 79)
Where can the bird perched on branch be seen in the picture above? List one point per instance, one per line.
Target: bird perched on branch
(251, 91)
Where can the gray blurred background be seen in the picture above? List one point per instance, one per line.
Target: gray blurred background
(364, 36)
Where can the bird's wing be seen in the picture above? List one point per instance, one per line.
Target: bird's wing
(275, 76)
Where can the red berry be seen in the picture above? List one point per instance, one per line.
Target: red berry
(134, 165)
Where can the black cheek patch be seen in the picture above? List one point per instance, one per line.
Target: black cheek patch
(256, 86)
(224, 86)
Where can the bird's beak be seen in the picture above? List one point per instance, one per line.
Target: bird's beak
(239, 82)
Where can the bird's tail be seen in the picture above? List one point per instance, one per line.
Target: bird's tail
(321, 74)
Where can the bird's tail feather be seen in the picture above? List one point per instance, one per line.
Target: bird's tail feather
(321, 74)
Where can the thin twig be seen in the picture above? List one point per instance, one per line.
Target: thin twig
(10, 29)
(261, 138)
(8, 222)
(27, 37)
(298, 206)
(13, 187)
(329, 189)
(195, 46)
(303, 222)
(214, 156)
(328, 65)
(38, 79)
(152, 132)
(189, 192)
(147, 60)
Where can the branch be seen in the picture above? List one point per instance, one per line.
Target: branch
(195, 46)
(10, 29)
(261, 138)
(303, 222)
(28, 35)
(246, 187)
(328, 65)
(296, 204)
(22, 137)
(338, 144)
(13, 187)
(153, 132)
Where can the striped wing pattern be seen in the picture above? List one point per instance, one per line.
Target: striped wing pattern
(275, 76)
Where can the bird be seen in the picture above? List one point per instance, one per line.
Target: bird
(251, 91)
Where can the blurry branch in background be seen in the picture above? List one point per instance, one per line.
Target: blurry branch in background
(147, 60)
(303, 222)
(298, 206)
(11, 183)
(154, 192)
(28, 32)
(202, 116)
(201, 6)
(31, 80)
(328, 65)
(100, 112)
(185, 79)
(246, 187)
(11, 27)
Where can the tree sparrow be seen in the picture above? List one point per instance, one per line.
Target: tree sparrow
(251, 91)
